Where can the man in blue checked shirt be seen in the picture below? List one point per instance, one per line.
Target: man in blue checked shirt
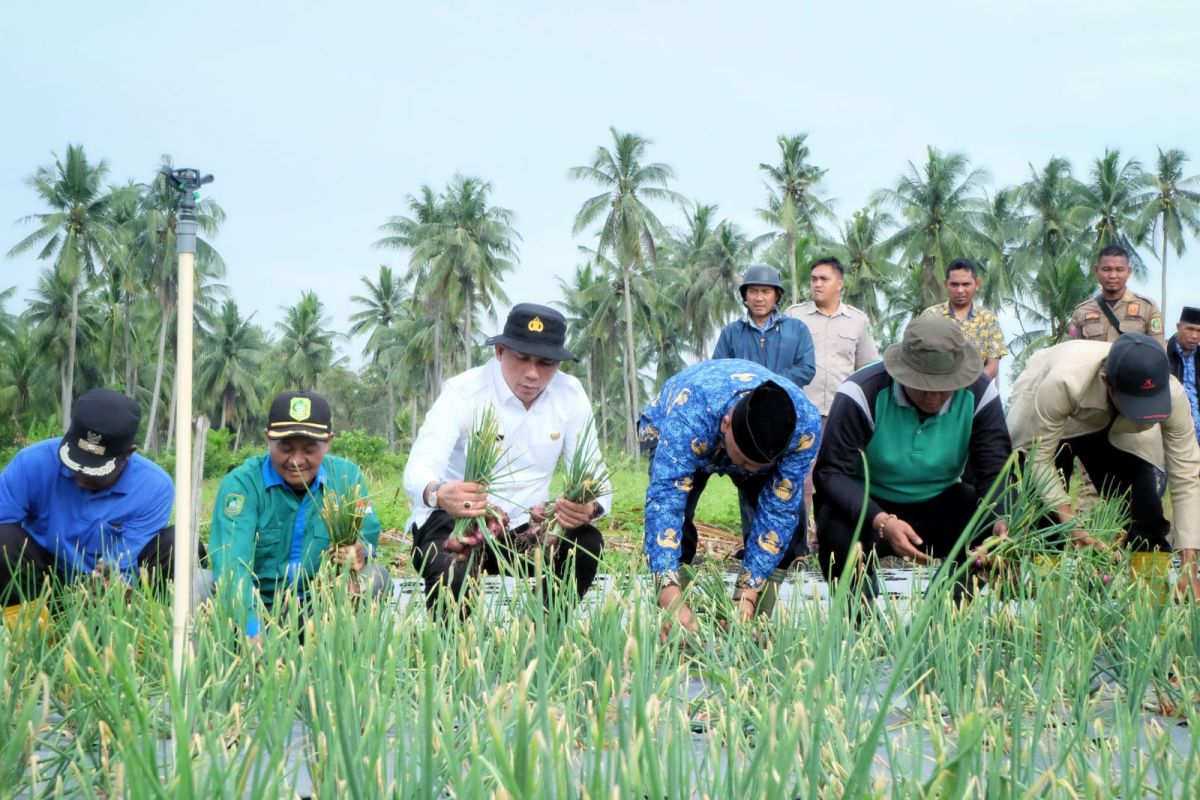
(730, 417)
(267, 532)
(85, 504)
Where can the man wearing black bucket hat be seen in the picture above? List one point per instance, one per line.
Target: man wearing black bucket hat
(268, 534)
(84, 504)
(543, 413)
(730, 417)
(1126, 419)
(930, 426)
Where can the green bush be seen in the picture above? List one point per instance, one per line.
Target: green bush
(369, 452)
(218, 457)
(164, 458)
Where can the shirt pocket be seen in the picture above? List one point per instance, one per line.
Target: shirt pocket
(271, 550)
(1095, 329)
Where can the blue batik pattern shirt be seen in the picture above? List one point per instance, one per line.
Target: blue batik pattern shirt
(685, 419)
(1189, 385)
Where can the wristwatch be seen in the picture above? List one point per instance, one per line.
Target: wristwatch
(431, 497)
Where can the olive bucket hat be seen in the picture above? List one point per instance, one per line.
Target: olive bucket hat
(933, 356)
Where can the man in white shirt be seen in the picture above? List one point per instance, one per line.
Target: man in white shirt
(542, 414)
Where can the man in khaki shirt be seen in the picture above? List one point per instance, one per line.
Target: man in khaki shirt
(1123, 416)
(840, 337)
(1131, 312)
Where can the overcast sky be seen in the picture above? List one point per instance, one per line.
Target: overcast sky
(318, 119)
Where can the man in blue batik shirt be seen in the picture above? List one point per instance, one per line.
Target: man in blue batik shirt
(780, 343)
(736, 418)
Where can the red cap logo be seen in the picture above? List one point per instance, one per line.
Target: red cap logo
(1149, 384)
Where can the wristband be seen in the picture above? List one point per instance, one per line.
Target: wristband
(879, 528)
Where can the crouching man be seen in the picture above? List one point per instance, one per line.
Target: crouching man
(729, 417)
(268, 534)
(542, 414)
(1125, 418)
(929, 424)
(85, 504)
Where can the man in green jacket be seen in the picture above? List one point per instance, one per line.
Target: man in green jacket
(268, 533)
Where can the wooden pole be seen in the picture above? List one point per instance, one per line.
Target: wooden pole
(184, 542)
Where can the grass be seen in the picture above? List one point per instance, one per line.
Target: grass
(1060, 687)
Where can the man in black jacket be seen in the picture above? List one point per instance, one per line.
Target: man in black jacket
(1184, 357)
(931, 428)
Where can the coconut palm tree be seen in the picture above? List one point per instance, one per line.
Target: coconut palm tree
(710, 296)
(1005, 274)
(866, 251)
(306, 342)
(383, 305)
(940, 206)
(1109, 205)
(73, 234)
(628, 231)
(23, 373)
(467, 250)
(1057, 288)
(229, 361)
(48, 313)
(409, 233)
(8, 322)
(1048, 197)
(593, 332)
(1169, 207)
(793, 203)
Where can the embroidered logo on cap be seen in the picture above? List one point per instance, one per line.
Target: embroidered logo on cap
(536, 325)
(1149, 384)
(300, 408)
(91, 444)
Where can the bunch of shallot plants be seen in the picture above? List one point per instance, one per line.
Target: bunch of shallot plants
(585, 479)
(343, 514)
(485, 457)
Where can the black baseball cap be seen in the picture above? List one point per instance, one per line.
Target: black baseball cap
(1137, 372)
(300, 414)
(104, 425)
(763, 422)
(537, 331)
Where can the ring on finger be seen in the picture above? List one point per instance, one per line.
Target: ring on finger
(466, 503)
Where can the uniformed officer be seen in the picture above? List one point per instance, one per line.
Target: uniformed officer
(1115, 310)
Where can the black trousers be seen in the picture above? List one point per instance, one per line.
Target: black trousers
(749, 487)
(939, 522)
(25, 564)
(441, 570)
(1115, 474)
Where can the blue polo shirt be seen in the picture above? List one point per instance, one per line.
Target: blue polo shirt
(80, 527)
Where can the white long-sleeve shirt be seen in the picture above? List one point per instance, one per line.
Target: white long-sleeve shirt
(535, 439)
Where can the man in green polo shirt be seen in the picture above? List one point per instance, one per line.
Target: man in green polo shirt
(267, 532)
(930, 425)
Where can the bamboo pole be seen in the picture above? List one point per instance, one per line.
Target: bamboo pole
(183, 462)
(187, 182)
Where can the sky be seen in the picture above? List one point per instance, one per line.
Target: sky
(319, 119)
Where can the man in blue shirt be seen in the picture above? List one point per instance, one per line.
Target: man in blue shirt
(778, 342)
(735, 418)
(85, 504)
(1183, 356)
